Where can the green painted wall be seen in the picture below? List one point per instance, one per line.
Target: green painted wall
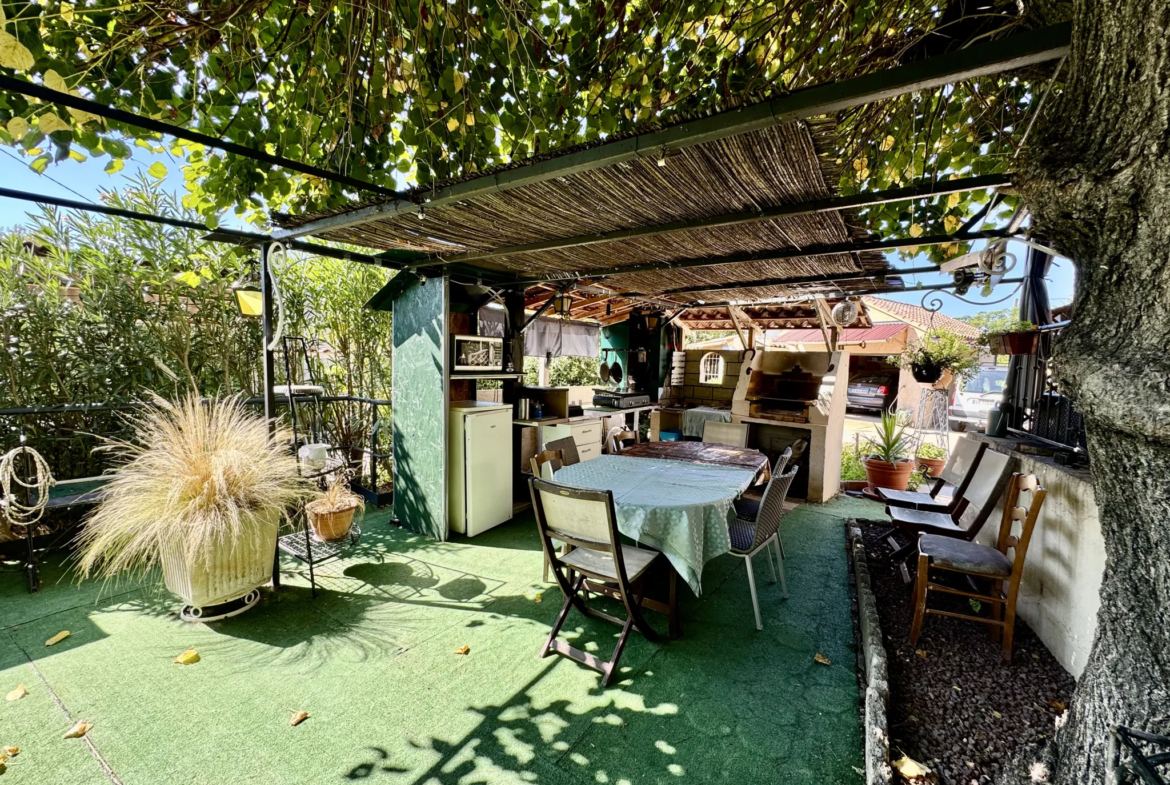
(420, 409)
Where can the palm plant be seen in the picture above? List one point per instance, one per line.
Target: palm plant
(892, 445)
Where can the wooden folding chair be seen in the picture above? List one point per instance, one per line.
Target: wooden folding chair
(567, 447)
(597, 564)
(959, 471)
(983, 561)
(546, 464)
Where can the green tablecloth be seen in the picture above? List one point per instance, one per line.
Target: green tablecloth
(681, 509)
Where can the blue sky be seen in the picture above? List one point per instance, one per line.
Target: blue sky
(82, 181)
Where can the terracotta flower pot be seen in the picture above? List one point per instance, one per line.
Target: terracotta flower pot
(881, 474)
(330, 525)
(933, 466)
(1024, 342)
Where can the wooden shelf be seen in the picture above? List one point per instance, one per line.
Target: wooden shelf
(486, 375)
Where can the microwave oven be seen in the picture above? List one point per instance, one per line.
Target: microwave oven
(477, 353)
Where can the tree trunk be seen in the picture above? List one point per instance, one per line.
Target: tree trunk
(1097, 179)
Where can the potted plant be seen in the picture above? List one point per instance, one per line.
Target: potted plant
(931, 458)
(200, 490)
(331, 514)
(1020, 337)
(936, 353)
(887, 465)
(853, 476)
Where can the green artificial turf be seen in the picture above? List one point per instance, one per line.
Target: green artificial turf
(372, 659)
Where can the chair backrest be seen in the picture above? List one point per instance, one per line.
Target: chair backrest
(772, 505)
(782, 461)
(984, 489)
(731, 433)
(567, 448)
(960, 467)
(546, 464)
(1013, 511)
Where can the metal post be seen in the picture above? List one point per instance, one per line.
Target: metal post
(269, 368)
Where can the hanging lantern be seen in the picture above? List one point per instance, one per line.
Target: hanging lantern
(562, 305)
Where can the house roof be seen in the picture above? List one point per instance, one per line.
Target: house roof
(879, 332)
(771, 167)
(919, 317)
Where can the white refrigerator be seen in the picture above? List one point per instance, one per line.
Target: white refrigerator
(479, 466)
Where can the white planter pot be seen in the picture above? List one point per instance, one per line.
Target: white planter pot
(227, 574)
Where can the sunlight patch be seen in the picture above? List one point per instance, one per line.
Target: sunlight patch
(676, 769)
(664, 747)
(511, 743)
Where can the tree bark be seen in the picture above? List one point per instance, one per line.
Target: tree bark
(1097, 179)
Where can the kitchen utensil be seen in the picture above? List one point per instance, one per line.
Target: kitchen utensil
(603, 372)
(615, 372)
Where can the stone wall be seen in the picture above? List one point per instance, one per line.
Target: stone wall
(1060, 589)
(711, 394)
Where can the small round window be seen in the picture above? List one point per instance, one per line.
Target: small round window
(711, 369)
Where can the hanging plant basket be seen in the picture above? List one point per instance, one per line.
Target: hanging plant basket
(1025, 342)
(926, 373)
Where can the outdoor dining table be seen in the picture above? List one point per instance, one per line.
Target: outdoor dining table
(679, 508)
(705, 452)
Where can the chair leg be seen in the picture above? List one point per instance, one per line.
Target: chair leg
(611, 666)
(545, 576)
(780, 561)
(997, 611)
(752, 586)
(547, 649)
(919, 598)
(768, 553)
(780, 547)
(1009, 628)
(675, 625)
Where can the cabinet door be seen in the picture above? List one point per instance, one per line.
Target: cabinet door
(488, 457)
(587, 433)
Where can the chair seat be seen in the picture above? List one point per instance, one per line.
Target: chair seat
(964, 556)
(924, 521)
(743, 535)
(601, 564)
(913, 499)
(748, 507)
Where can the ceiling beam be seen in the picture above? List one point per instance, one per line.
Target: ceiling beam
(777, 254)
(925, 189)
(778, 300)
(990, 57)
(826, 278)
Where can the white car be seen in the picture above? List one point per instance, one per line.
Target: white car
(973, 399)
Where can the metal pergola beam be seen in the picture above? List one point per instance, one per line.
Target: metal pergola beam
(776, 254)
(827, 278)
(858, 293)
(220, 235)
(833, 204)
(48, 95)
(983, 59)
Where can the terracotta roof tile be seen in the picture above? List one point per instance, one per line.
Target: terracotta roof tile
(920, 317)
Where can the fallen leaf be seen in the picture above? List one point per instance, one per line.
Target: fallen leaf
(822, 659)
(10, 752)
(1058, 705)
(17, 693)
(910, 768)
(921, 653)
(464, 649)
(997, 715)
(298, 718)
(538, 598)
(189, 657)
(79, 729)
(956, 688)
(62, 635)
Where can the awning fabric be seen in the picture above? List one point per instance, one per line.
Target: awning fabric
(561, 338)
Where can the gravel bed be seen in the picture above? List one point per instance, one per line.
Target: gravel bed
(954, 705)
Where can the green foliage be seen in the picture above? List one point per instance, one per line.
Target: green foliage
(562, 372)
(421, 92)
(891, 443)
(991, 321)
(109, 310)
(852, 468)
(931, 451)
(916, 480)
(941, 349)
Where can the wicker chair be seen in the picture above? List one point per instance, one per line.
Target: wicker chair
(751, 535)
(567, 448)
(597, 564)
(748, 505)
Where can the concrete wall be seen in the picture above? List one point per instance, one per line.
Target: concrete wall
(711, 394)
(1060, 590)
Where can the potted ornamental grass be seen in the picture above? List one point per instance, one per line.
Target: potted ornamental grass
(1020, 337)
(888, 464)
(331, 513)
(931, 458)
(938, 354)
(200, 490)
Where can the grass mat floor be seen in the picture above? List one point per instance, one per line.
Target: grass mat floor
(372, 659)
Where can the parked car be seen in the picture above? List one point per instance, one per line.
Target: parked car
(872, 390)
(978, 395)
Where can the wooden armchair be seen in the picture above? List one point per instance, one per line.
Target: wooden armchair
(598, 563)
(982, 561)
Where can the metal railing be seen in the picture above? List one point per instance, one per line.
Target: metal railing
(1044, 412)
